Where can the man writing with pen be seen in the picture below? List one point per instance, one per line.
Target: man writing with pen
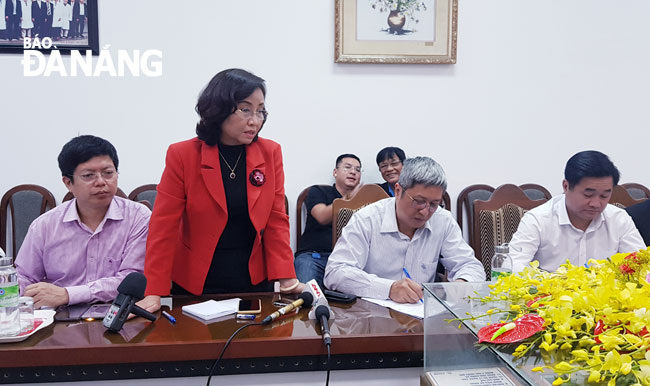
(392, 239)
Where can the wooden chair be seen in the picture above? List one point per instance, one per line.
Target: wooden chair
(466, 198)
(535, 191)
(342, 210)
(637, 191)
(621, 198)
(301, 214)
(69, 196)
(446, 201)
(145, 194)
(20, 206)
(496, 220)
(465, 204)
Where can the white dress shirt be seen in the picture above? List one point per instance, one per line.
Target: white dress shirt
(546, 234)
(371, 253)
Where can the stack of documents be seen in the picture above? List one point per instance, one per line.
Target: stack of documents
(416, 310)
(212, 309)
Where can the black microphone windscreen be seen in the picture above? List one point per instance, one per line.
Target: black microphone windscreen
(133, 284)
(307, 297)
(322, 310)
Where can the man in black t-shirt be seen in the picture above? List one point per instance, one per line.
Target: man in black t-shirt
(316, 240)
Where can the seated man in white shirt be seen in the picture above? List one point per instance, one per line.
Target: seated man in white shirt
(580, 224)
(386, 241)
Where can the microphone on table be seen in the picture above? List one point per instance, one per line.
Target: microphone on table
(305, 298)
(130, 290)
(319, 298)
(323, 316)
(310, 296)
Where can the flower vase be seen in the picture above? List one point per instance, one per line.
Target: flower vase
(396, 21)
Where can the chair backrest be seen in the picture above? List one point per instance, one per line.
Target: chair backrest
(497, 219)
(342, 210)
(621, 198)
(636, 191)
(536, 192)
(20, 206)
(144, 193)
(69, 196)
(446, 201)
(465, 204)
(466, 198)
(301, 214)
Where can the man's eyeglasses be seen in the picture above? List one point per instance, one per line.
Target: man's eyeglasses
(247, 113)
(107, 175)
(421, 204)
(349, 168)
(393, 164)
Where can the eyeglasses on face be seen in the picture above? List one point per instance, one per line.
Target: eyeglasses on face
(107, 175)
(248, 113)
(393, 164)
(422, 204)
(349, 168)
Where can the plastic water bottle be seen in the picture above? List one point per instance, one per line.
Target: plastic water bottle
(501, 262)
(9, 311)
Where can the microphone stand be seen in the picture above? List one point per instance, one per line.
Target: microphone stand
(323, 315)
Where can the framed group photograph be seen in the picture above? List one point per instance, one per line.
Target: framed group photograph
(395, 31)
(65, 24)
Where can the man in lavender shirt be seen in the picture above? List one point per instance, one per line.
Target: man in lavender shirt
(80, 251)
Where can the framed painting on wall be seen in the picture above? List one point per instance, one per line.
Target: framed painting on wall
(395, 31)
(64, 24)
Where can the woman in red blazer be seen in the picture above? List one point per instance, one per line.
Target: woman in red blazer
(219, 223)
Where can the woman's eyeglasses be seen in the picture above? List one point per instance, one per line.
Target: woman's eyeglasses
(247, 113)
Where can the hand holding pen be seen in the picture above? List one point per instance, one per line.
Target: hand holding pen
(406, 290)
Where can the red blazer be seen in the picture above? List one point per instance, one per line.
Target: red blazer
(190, 213)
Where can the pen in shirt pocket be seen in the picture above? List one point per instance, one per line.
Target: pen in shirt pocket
(409, 276)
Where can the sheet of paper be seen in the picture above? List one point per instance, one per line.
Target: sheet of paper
(416, 310)
(213, 309)
(492, 376)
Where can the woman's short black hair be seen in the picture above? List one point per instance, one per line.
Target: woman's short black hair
(219, 99)
(389, 152)
(81, 149)
(589, 163)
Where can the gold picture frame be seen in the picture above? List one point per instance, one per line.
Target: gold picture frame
(374, 31)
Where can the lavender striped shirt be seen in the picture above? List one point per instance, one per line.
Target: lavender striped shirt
(61, 250)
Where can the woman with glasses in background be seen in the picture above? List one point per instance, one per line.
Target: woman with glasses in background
(219, 223)
(389, 160)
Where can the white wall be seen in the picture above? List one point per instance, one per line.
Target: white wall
(535, 82)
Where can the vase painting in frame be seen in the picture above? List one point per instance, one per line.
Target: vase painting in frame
(395, 31)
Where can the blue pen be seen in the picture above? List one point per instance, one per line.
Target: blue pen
(169, 317)
(409, 276)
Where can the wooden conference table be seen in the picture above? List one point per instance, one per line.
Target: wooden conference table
(364, 336)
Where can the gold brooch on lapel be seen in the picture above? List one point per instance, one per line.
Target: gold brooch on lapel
(257, 178)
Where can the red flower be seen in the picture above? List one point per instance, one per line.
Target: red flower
(525, 326)
(599, 329)
(257, 178)
(626, 269)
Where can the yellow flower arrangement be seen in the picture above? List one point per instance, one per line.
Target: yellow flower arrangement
(595, 317)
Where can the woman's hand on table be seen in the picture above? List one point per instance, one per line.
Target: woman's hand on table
(150, 303)
(291, 286)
